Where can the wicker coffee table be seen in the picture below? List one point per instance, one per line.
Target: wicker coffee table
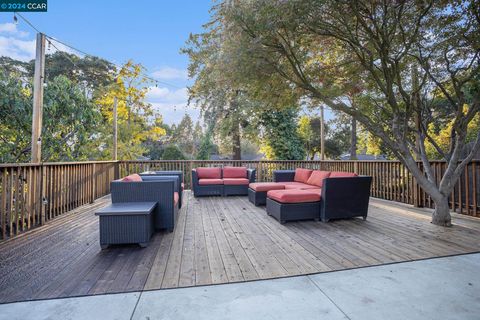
(126, 222)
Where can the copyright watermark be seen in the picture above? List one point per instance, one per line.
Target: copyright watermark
(23, 5)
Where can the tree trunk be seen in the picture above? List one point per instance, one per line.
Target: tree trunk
(353, 140)
(237, 150)
(441, 214)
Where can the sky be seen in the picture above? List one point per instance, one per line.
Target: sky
(149, 32)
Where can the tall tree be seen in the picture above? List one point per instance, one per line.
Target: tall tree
(70, 120)
(183, 136)
(280, 138)
(136, 120)
(324, 48)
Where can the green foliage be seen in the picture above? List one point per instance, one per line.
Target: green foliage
(183, 136)
(77, 112)
(15, 117)
(281, 139)
(206, 147)
(69, 120)
(337, 137)
(172, 152)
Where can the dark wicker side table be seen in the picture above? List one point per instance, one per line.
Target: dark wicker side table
(126, 222)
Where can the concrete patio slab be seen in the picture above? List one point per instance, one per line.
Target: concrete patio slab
(444, 288)
(105, 307)
(289, 298)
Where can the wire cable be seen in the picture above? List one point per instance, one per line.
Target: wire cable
(50, 38)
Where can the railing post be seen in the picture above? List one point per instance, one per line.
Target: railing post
(417, 191)
(259, 171)
(190, 182)
(43, 193)
(355, 167)
(93, 188)
(116, 171)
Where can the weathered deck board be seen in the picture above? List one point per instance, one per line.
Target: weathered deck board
(218, 240)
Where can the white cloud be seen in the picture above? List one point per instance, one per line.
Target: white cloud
(11, 29)
(169, 73)
(171, 104)
(173, 113)
(18, 49)
(165, 95)
(15, 44)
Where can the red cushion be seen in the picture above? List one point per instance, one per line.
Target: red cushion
(132, 178)
(210, 181)
(316, 179)
(175, 198)
(234, 172)
(342, 174)
(266, 186)
(302, 175)
(293, 196)
(291, 183)
(300, 186)
(209, 173)
(236, 181)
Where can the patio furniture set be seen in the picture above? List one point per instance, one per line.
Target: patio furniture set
(148, 202)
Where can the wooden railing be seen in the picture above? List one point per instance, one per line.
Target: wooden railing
(31, 194)
(391, 179)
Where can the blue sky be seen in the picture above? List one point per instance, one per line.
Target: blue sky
(149, 32)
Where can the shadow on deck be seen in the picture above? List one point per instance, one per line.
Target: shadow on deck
(218, 240)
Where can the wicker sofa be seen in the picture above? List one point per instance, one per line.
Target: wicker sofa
(162, 190)
(303, 194)
(216, 181)
(163, 175)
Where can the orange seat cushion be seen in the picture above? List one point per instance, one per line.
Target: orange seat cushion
(209, 173)
(236, 181)
(175, 198)
(316, 179)
(342, 174)
(291, 183)
(293, 196)
(132, 178)
(302, 175)
(210, 181)
(234, 172)
(266, 186)
(297, 185)
(300, 186)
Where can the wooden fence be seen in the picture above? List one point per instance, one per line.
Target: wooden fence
(31, 194)
(391, 179)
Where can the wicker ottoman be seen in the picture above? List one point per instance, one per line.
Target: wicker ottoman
(293, 205)
(126, 222)
(257, 191)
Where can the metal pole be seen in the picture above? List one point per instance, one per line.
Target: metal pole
(115, 129)
(322, 134)
(37, 115)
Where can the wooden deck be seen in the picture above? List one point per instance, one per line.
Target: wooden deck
(218, 240)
